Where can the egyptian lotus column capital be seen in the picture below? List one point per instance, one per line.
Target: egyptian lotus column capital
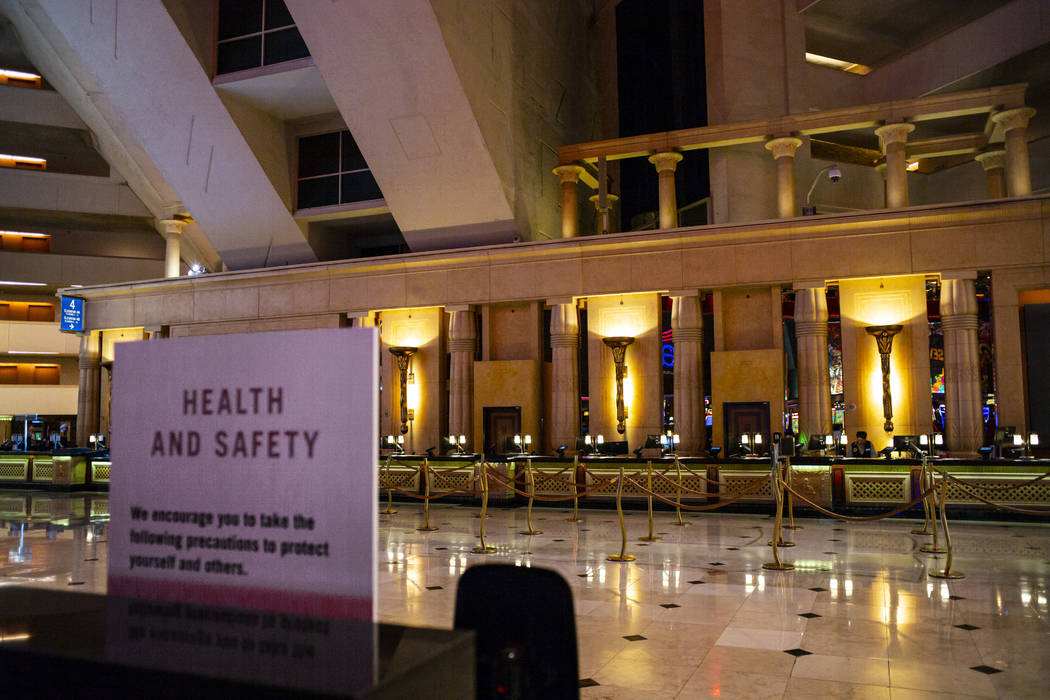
(783, 147)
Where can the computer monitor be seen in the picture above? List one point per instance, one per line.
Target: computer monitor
(1004, 435)
(613, 448)
(900, 442)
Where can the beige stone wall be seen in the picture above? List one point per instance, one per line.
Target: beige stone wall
(1011, 387)
(885, 301)
(748, 361)
(508, 383)
(638, 316)
(530, 73)
(746, 375)
(512, 331)
(422, 329)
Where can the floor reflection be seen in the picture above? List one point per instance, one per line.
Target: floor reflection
(695, 614)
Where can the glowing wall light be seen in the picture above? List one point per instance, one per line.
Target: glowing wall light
(618, 345)
(403, 354)
(884, 339)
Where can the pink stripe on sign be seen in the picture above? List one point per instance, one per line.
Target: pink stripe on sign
(291, 602)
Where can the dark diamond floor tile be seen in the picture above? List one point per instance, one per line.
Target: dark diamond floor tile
(438, 549)
(669, 605)
(968, 628)
(733, 549)
(696, 582)
(808, 616)
(987, 669)
(838, 529)
(833, 539)
(642, 544)
(818, 589)
(829, 552)
(435, 588)
(557, 540)
(634, 637)
(956, 597)
(716, 563)
(797, 652)
(588, 683)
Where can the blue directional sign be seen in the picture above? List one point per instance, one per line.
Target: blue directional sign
(72, 314)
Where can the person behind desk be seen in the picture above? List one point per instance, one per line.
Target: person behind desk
(861, 447)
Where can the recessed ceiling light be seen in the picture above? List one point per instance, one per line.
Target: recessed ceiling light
(837, 64)
(31, 162)
(24, 234)
(23, 284)
(32, 352)
(18, 75)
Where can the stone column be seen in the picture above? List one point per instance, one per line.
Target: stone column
(462, 341)
(894, 139)
(665, 166)
(171, 229)
(993, 163)
(687, 331)
(568, 176)
(783, 150)
(962, 368)
(1014, 123)
(603, 217)
(88, 396)
(814, 382)
(565, 367)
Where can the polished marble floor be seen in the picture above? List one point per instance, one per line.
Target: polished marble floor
(696, 615)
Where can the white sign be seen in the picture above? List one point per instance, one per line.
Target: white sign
(244, 471)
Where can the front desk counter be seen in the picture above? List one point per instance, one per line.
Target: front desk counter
(55, 644)
(841, 483)
(67, 469)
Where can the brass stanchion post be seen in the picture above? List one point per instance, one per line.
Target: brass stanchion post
(790, 500)
(484, 548)
(678, 493)
(484, 493)
(623, 555)
(924, 476)
(934, 548)
(947, 571)
(783, 467)
(530, 479)
(389, 510)
(778, 490)
(575, 491)
(426, 527)
(649, 485)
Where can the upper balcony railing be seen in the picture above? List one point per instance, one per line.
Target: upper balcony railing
(925, 134)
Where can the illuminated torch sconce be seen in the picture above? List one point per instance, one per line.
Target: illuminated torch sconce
(403, 354)
(618, 345)
(884, 340)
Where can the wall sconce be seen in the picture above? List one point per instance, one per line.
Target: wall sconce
(403, 354)
(884, 340)
(618, 345)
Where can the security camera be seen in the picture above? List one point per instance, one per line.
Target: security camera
(834, 174)
(517, 239)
